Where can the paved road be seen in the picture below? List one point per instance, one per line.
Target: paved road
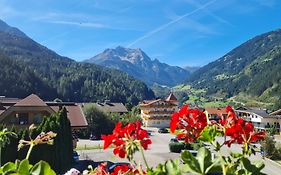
(159, 153)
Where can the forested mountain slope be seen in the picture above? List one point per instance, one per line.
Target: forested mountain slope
(62, 77)
(253, 68)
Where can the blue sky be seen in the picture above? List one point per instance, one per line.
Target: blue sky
(177, 32)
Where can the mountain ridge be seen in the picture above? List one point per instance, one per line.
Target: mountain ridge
(137, 63)
(251, 68)
(70, 80)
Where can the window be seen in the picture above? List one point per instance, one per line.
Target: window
(23, 118)
(13, 119)
(37, 118)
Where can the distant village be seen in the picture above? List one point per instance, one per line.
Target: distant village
(154, 113)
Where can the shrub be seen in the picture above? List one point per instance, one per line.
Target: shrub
(58, 155)
(177, 147)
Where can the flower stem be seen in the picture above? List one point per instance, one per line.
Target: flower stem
(29, 151)
(142, 153)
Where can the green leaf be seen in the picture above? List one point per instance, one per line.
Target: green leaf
(10, 166)
(236, 155)
(172, 167)
(250, 168)
(204, 159)
(42, 168)
(209, 133)
(24, 167)
(190, 162)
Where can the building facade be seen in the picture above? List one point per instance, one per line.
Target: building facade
(31, 110)
(157, 113)
(260, 118)
(215, 113)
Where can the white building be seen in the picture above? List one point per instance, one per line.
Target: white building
(260, 118)
(157, 113)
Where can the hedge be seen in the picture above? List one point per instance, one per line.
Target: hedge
(58, 155)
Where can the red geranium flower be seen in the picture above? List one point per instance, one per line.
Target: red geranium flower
(243, 132)
(192, 122)
(123, 138)
(238, 129)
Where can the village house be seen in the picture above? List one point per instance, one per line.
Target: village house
(260, 118)
(157, 113)
(110, 107)
(31, 110)
(215, 113)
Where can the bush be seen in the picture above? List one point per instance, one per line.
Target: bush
(58, 155)
(177, 147)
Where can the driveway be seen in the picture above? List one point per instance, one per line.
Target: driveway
(159, 152)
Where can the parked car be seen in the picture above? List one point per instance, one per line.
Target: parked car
(93, 137)
(174, 140)
(163, 130)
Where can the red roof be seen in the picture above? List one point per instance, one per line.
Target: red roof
(217, 111)
(32, 100)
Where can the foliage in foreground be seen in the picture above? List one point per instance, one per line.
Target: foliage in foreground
(23, 167)
(195, 127)
(58, 155)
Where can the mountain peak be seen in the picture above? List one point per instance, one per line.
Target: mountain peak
(136, 63)
(4, 27)
(134, 56)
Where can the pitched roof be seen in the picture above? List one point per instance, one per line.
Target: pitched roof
(171, 97)
(5, 100)
(260, 112)
(150, 102)
(217, 111)
(278, 112)
(74, 114)
(111, 107)
(31, 100)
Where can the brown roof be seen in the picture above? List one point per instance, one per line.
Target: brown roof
(31, 100)
(111, 107)
(217, 111)
(5, 100)
(278, 112)
(171, 97)
(74, 114)
(150, 102)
